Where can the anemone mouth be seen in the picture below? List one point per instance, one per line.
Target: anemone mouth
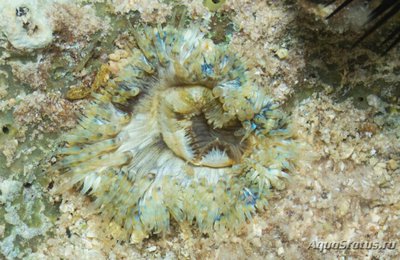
(209, 140)
(187, 127)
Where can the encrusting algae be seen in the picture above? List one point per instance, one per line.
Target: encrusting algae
(178, 130)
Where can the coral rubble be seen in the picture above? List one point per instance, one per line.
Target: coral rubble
(26, 24)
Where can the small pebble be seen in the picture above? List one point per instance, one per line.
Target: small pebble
(152, 249)
(282, 53)
(392, 164)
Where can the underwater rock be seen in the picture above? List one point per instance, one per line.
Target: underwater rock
(24, 217)
(25, 23)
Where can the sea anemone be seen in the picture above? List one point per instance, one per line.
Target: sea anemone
(178, 131)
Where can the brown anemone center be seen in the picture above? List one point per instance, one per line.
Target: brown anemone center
(188, 117)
